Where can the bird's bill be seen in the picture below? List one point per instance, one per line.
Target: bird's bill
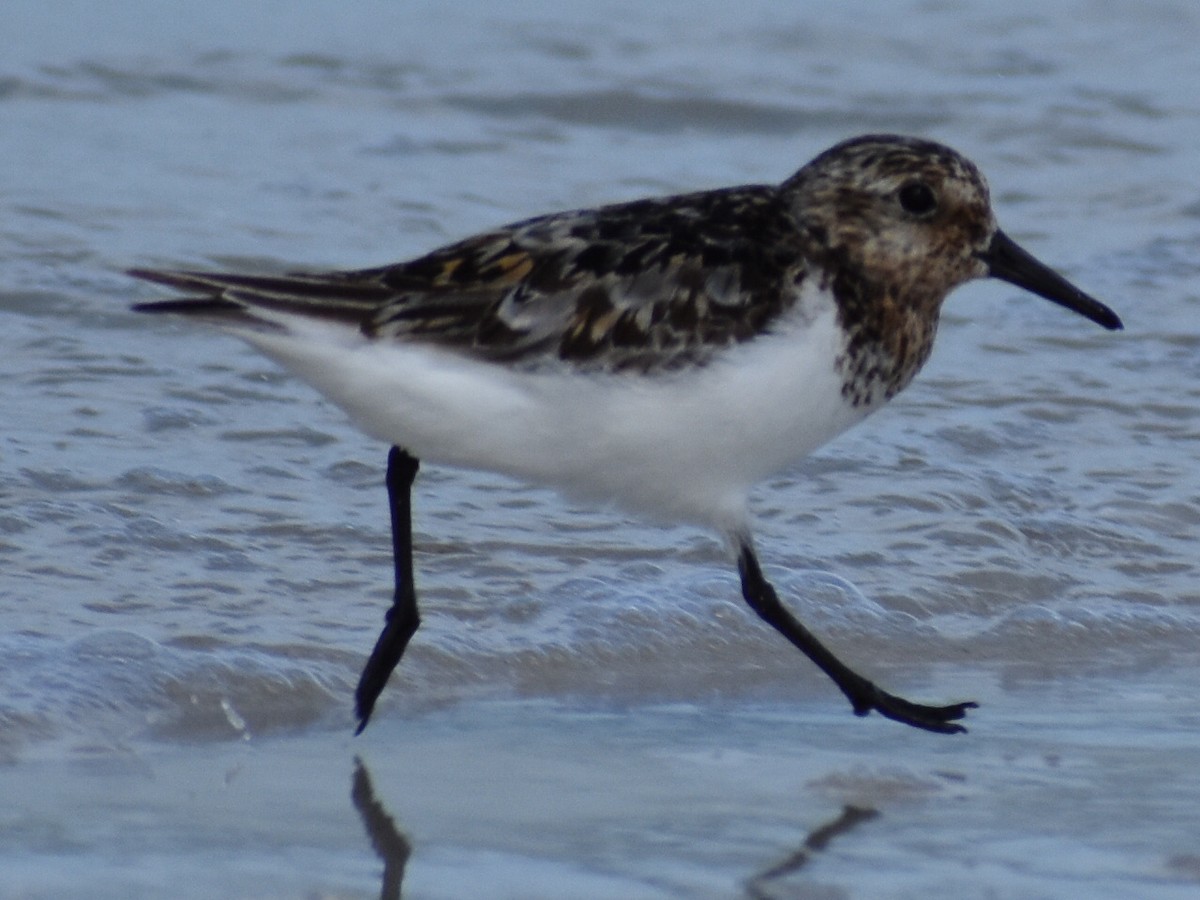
(1007, 261)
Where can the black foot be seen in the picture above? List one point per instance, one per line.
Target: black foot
(939, 719)
(403, 618)
(401, 624)
(863, 694)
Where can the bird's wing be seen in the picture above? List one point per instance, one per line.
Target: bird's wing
(648, 285)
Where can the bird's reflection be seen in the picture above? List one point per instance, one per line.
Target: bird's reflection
(388, 841)
(816, 841)
(393, 847)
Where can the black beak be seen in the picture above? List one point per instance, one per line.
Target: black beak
(1008, 262)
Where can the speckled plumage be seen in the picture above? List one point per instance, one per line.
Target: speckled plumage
(665, 354)
(647, 286)
(660, 284)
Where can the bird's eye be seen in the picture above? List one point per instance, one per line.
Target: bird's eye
(917, 198)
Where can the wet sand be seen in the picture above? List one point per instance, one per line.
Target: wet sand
(532, 799)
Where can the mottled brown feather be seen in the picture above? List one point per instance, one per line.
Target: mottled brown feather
(654, 285)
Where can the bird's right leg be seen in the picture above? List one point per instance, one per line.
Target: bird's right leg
(402, 619)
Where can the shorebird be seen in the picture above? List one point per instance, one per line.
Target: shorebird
(664, 354)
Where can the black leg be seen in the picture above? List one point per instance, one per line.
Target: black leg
(402, 619)
(864, 696)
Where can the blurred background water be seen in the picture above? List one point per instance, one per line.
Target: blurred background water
(194, 549)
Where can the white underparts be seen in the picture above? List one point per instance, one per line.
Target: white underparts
(684, 445)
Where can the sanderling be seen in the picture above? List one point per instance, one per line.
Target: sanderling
(664, 354)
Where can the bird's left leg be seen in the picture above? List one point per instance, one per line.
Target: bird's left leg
(863, 694)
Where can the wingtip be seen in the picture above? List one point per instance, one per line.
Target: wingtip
(158, 276)
(208, 304)
(191, 306)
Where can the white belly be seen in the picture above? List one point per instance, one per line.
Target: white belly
(685, 445)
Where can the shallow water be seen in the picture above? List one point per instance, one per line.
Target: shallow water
(194, 556)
